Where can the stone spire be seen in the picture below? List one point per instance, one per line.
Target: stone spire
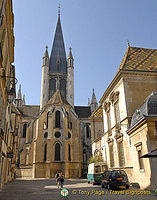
(58, 61)
(19, 95)
(88, 101)
(70, 79)
(24, 102)
(94, 103)
(46, 57)
(45, 79)
(46, 53)
(70, 56)
(19, 101)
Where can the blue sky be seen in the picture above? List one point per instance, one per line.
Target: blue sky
(97, 31)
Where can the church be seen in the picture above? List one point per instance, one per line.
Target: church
(56, 135)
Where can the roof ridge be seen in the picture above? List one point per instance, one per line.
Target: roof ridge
(142, 48)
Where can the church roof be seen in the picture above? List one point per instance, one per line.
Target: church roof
(149, 108)
(57, 98)
(83, 111)
(139, 59)
(98, 113)
(58, 54)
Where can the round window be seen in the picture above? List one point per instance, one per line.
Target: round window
(69, 135)
(57, 134)
(45, 134)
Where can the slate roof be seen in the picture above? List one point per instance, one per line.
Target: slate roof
(98, 113)
(30, 110)
(58, 51)
(149, 108)
(139, 59)
(83, 111)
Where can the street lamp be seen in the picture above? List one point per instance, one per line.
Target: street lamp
(10, 92)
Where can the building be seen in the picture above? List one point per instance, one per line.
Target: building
(58, 138)
(9, 115)
(135, 79)
(143, 139)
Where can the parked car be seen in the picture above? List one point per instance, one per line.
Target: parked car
(95, 172)
(114, 178)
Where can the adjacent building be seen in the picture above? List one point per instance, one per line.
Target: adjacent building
(134, 81)
(9, 114)
(143, 139)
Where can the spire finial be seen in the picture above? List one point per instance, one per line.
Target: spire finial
(59, 10)
(128, 43)
(46, 47)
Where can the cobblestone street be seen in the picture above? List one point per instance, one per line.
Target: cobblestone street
(46, 189)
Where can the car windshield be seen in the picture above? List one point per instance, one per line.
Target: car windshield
(118, 173)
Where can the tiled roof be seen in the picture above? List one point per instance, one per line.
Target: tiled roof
(98, 113)
(139, 59)
(83, 111)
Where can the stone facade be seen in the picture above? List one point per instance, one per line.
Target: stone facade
(143, 139)
(131, 85)
(38, 151)
(53, 141)
(9, 115)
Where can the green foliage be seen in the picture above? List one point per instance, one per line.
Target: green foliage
(95, 159)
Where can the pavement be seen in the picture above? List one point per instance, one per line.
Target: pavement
(78, 189)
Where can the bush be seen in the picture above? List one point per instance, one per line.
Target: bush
(95, 159)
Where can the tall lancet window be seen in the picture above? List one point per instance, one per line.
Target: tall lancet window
(24, 130)
(47, 120)
(57, 152)
(69, 152)
(52, 86)
(63, 87)
(57, 119)
(45, 152)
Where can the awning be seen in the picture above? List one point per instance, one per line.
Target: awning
(151, 154)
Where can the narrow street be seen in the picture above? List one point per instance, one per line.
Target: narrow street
(46, 189)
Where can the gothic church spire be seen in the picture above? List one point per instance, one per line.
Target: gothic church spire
(58, 56)
(94, 103)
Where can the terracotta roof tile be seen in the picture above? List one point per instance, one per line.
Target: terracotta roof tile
(139, 59)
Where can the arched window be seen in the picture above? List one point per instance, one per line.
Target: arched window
(69, 152)
(45, 153)
(63, 87)
(57, 152)
(57, 119)
(24, 130)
